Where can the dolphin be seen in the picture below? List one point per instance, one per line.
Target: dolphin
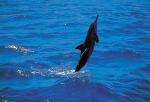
(88, 46)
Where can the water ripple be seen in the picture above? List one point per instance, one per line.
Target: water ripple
(19, 49)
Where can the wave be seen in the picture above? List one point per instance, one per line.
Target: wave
(126, 53)
(145, 69)
(71, 90)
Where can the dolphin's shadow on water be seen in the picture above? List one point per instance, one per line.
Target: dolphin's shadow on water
(70, 90)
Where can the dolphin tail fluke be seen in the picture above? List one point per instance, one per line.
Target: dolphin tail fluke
(77, 68)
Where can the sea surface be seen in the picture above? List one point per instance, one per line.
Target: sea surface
(38, 55)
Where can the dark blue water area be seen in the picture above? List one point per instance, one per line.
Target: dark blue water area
(38, 55)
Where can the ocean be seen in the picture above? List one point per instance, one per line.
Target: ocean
(38, 55)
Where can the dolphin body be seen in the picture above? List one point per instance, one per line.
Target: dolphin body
(88, 46)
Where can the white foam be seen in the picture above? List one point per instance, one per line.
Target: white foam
(61, 72)
(11, 46)
(53, 72)
(19, 48)
(22, 73)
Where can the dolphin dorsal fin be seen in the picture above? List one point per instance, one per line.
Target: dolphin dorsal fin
(80, 47)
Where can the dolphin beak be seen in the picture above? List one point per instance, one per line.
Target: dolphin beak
(95, 22)
(96, 19)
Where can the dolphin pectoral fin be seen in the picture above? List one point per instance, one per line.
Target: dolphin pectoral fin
(80, 47)
(96, 38)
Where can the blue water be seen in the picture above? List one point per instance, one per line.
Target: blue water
(38, 55)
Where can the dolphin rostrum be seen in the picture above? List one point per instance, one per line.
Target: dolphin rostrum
(88, 45)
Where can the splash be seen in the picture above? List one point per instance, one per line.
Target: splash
(60, 73)
(53, 73)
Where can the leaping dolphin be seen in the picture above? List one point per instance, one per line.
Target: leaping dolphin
(88, 45)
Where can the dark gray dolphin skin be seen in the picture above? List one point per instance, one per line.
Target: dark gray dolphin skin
(88, 45)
